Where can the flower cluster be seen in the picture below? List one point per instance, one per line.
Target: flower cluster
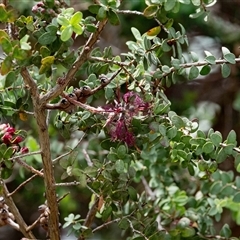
(121, 115)
(10, 137)
(42, 10)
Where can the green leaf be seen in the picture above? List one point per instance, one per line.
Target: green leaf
(3, 13)
(6, 173)
(165, 46)
(119, 166)
(194, 56)
(91, 27)
(6, 45)
(113, 17)
(188, 232)
(210, 59)
(63, 21)
(106, 213)
(123, 224)
(122, 151)
(225, 70)
(230, 57)
(216, 188)
(225, 51)
(136, 34)
(236, 197)
(196, 2)
(169, 5)
(166, 69)
(175, 63)
(66, 33)
(76, 18)
(193, 73)
(216, 138)
(8, 153)
(221, 155)
(232, 137)
(205, 70)
(102, 14)
(150, 11)
(153, 32)
(77, 29)
(227, 190)
(132, 193)
(226, 231)
(46, 38)
(208, 147)
(178, 122)
(10, 79)
(6, 65)
(94, 8)
(3, 34)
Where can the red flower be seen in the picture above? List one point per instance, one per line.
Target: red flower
(121, 115)
(17, 140)
(6, 138)
(24, 150)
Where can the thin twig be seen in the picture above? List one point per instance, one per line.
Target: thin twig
(25, 155)
(28, 167)
(22, 184)
(106, 224)
(106, 60)
(137, 231)
(105, 84)
(90, 216)
(148, 190)
(141, 14)
(67, 184)
(197, 64)
(15, 212)
(88, 159)
(62, 197)
(66, 154)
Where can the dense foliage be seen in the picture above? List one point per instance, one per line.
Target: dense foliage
(105, 127)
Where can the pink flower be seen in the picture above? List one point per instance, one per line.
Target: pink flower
(3, 126)
(24, 150)
(6, 138)
(17, 140)
(121, 115)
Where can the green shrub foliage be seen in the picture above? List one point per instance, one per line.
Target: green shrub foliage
(106, 127)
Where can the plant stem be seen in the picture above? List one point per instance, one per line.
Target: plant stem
(15, 212)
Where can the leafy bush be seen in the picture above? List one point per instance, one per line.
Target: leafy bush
(151, 173)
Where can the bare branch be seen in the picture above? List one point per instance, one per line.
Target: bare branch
(23, 184)
(30, 168)
(69, 152)
(25, 155)
(16, 214)
(90, 216)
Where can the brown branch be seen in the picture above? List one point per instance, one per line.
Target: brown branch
(57, 90)
(14, 210)
(90, 216)
(23, 184)
(30, 82)
(197, 64)
(30, 168)
(49, 181)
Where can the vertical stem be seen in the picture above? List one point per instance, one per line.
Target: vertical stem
(49, 180)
